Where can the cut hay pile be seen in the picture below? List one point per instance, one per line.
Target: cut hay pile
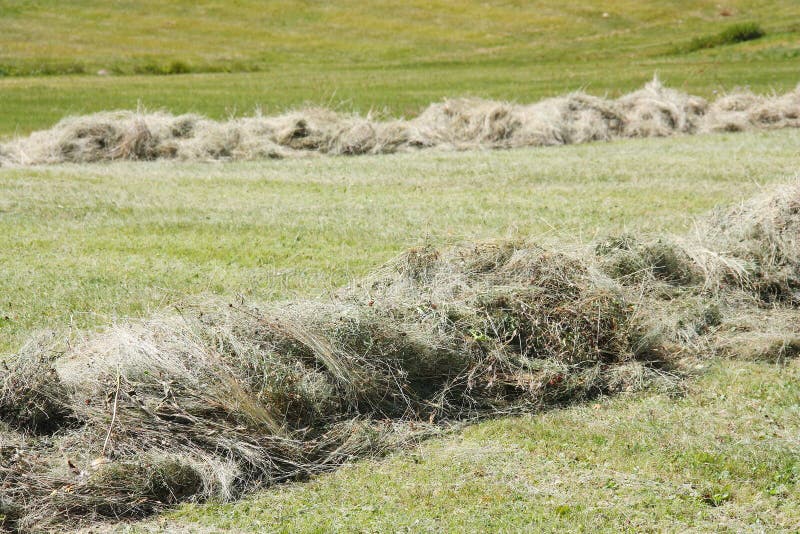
(758, 246)
(753, 247)
(657, 111)
(460, 124)
(747, 111)
(730, 287)
(214, 399)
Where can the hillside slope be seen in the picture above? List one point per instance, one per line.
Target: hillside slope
(229, 58)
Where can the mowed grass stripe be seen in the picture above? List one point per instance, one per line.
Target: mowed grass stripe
(84, 244)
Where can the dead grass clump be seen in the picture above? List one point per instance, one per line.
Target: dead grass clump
(670, 262)
(10, 514)
(316, 129)
(136, 143)
(535, 326)
(731, 112)
(773, 348)
(575, 118)
(762, 334)
(134, 487)
(744, 110)
(31, 396)
(704, 292)
(311, 129)
(753, 247)
(630, 261)
(468, 123)
(49, 484)
(761, 346)
(472, 123)
(589, 118)
(398, 136)
(84, 141)
(781, 111)
(756, 246)
(235, 140)
(657, 111)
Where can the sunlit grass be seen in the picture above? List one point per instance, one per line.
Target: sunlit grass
(384, 56)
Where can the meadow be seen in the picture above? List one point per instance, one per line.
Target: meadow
(95, 244)
(337, 55)
(85, 246)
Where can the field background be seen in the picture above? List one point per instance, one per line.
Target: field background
(393, 57)
(84, 246)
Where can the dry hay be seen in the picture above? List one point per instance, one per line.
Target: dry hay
(657, 111)
(214, 399)
(730, 287)
(757, 246)
(765, 334)
(744, 110)
(459, 124)
(753, 247)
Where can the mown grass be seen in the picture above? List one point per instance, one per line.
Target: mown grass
(49, 37)
(147, 36)
(724, 458)
(85, 244)
(393, 56)
(82, 245)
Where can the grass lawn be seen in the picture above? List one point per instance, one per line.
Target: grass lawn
(85, 244)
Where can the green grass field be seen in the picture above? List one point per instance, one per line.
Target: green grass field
(394, 57)
(84, 246)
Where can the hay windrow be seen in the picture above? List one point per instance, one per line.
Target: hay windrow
(217, 399)
(747, 111)
(758, 245)
(657, 111)
(214, 399)
(753, 247)
(456, 124)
